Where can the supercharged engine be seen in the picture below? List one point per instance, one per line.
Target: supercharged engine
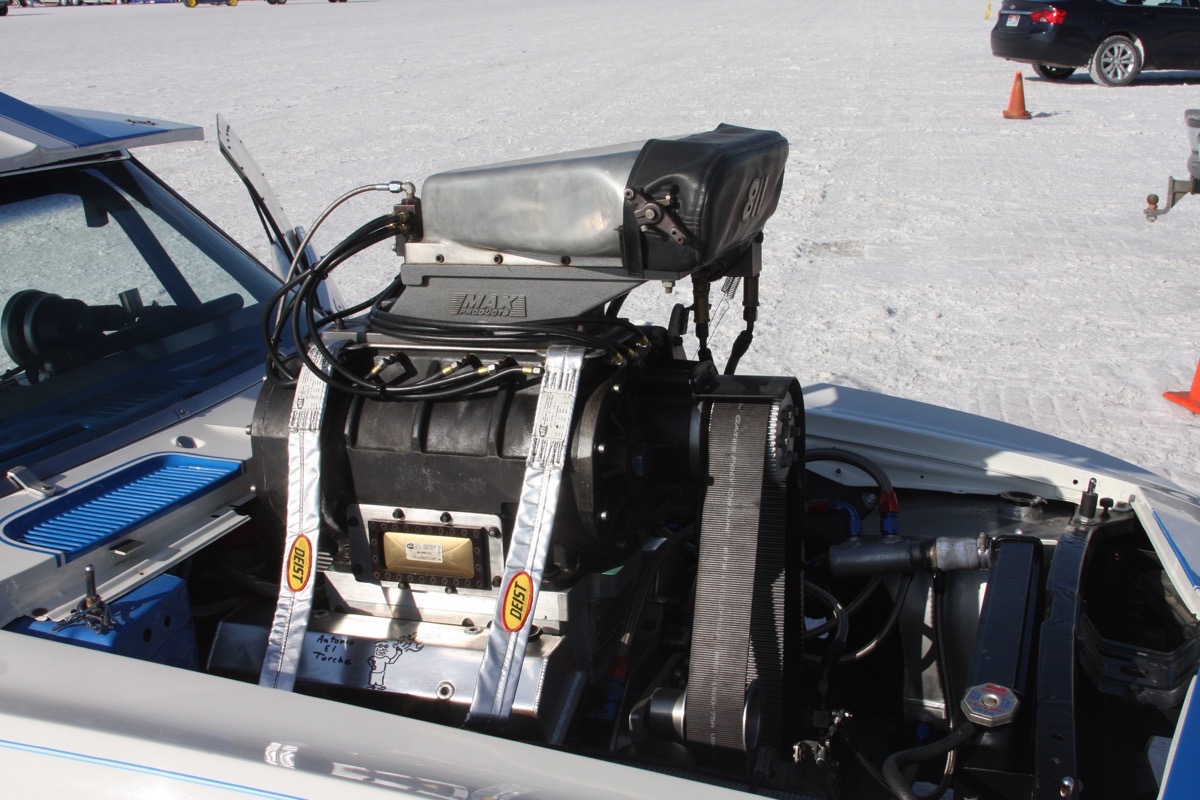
(508, 473)
(484, 497)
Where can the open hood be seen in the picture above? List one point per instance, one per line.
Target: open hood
(286, 239)
(35, 136)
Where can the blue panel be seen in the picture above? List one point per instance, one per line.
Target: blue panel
(153, 623)
(50, 124)
(105, 510)
(57, 134)
(1184, 535)
(1183, 771)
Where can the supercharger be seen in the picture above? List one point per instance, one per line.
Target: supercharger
(454, 553)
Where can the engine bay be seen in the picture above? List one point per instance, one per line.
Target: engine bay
(485, 498)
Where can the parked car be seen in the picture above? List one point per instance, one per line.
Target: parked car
(480, 536)
(1114, 40)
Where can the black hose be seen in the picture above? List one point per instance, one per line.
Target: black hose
(893, 778)
(862, 760)
(496, 334)
(888, 626)
(836, 609)
(854, 459)
(295, 311)
(741, 345)
(837, 644)
(888, 507)
(851, 607)
(295, 301)
(868, 648)
(892, 766)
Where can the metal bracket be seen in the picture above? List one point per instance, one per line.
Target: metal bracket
(92, 610)
(657, 214)
(24, 478)
(408, 222)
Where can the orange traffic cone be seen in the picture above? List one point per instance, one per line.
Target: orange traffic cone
(1191, 399)
(1016, 100)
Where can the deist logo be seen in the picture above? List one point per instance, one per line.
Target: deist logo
(299, 563)
(487, 305)
(518, 602)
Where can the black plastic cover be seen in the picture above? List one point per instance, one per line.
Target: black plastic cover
(724, 184)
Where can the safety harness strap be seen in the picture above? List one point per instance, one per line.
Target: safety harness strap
(504, 654)
(294, 605)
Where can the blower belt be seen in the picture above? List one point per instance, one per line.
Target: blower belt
(734, 691)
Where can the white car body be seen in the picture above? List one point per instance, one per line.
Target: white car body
(78, 720)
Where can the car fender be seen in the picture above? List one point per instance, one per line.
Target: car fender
(154, 730)
(932, 447)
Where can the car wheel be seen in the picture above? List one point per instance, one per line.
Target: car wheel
(1047, 72)
(1116, 63)
(190, 3)
(4, 9)
(232, 2)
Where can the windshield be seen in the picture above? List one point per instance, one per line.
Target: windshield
(120, 304)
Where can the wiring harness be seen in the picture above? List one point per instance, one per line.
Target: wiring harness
(295, 321)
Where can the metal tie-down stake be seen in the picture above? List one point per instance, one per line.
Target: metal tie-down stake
(92, 610)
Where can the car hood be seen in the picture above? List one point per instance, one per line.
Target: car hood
(35, 136)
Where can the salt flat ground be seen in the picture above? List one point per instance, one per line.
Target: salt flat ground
(925, 247)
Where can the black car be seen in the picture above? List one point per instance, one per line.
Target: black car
(1114, 39)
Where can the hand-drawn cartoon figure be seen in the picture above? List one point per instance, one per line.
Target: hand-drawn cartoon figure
(386, 653)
